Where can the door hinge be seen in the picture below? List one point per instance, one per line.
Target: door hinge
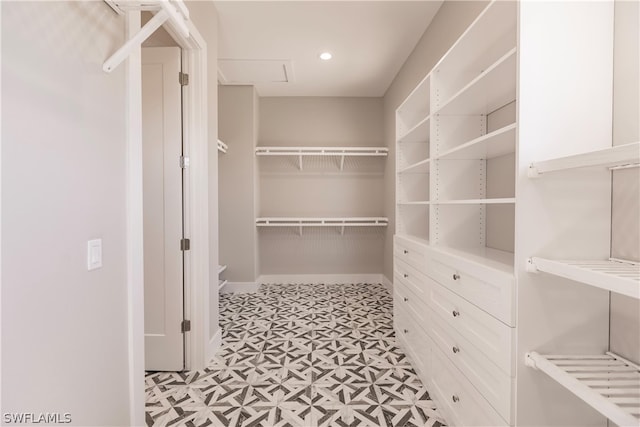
(185, 326)
(185, 244)
(183, 78)
(184, 162)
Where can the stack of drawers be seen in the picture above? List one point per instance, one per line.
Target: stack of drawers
(455, 318)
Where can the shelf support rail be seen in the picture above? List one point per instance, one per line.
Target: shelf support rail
(173, 11)
(222, 147)
(581, 389)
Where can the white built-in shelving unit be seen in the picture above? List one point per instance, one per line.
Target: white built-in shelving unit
(484, 255)
(608, 383)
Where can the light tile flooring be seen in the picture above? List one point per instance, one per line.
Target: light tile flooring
(298, 355)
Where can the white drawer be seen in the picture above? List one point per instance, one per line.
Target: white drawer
(490, 290)
(456, 398)
(413, 279)
(460, 403)
(490, 336)
(417, 308)
(494, 385)
(412, 337)
(411, 252)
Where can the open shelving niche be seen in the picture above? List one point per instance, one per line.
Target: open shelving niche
(468, 148)
(608, 383)
(329, 152)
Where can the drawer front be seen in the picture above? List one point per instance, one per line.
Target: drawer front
(410, 304)
(413, 279)
(411, 252)
(460, 402)
(490, 336)
(495, 385)
(495, 297)
(412, 337)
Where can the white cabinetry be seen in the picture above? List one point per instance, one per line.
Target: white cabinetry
(526, 84)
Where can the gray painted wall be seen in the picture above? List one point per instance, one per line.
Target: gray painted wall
(64, 329)
(448, 24)
(321, 189)
(238, 109)
(625, 232)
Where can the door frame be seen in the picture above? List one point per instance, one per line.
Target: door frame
(196, 215)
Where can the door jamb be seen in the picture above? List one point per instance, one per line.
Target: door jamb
(196, 217)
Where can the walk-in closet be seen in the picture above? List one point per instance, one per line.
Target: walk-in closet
(513, 168)
(315, 213)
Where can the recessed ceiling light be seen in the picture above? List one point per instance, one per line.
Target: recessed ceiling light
(325, 56)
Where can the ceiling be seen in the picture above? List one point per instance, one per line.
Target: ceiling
(275, 45)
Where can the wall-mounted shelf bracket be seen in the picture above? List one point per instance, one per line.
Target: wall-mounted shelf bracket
(222, 147)
(174, 12)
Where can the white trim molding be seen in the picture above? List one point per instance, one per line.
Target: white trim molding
(322, 278)
(214, 344)
(240, 287)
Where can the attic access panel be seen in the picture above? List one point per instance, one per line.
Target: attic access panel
(252, 71)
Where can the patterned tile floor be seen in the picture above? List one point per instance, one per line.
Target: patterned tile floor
(298, 355)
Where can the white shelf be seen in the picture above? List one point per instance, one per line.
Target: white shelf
(221, 284)
(322, 222)
(492, 89)
(221, 268)
(422, 166)
(489, 146)
(608, 383)
(614, 157)
(622, 277)
(222, 147)
(416, 203)
(502, 201)
(419, 134)
(339, 152)
(415, 108)
(486, 39)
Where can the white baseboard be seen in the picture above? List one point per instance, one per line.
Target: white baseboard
(387, 283)
(240, 287)
(214, 344)
(323, 278)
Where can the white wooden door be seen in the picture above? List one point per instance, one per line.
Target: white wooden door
(162, 205)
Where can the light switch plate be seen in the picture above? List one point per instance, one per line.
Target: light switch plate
(94, 254)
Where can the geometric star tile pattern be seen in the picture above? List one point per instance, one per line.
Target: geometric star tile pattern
(298, 355)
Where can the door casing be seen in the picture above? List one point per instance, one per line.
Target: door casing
(196, 215)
